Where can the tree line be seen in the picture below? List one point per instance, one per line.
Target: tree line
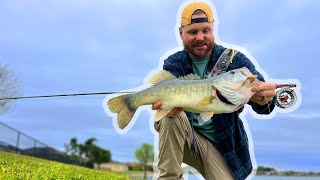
(88, 153)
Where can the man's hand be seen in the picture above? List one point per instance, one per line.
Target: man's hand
(172, 113)
(264, 93)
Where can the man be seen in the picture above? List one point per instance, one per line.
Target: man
(222, 141)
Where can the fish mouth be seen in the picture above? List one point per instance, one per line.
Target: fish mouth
(222, 98)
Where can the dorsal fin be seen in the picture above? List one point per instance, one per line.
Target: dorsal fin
(190, 77)
(161, 77)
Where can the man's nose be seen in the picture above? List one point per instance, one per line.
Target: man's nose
(200, 36)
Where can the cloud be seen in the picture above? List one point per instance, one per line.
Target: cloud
(305, 116)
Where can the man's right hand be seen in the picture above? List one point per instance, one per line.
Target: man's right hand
(172, 113)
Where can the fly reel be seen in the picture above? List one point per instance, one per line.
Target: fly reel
(286, 97)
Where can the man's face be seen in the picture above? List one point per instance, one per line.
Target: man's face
(198, 38)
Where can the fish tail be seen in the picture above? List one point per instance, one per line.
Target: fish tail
(121, 106)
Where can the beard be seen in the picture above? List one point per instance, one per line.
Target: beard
(199, 53)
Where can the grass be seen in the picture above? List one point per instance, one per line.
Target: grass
(13, 166)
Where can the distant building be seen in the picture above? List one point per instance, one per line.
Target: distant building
(7, 147)
(3, 146)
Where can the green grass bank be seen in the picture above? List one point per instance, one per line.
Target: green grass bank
(13, 166)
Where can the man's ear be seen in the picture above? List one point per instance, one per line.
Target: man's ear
(180, 32)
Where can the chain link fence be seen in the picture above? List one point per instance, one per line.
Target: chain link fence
(14, 141)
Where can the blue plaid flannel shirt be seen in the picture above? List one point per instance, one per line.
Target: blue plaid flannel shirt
(230, 133)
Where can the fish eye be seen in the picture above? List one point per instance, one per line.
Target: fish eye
(232, 72)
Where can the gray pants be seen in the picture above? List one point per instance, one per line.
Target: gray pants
(175, 136)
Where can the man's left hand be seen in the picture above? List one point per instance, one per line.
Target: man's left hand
(264, 93)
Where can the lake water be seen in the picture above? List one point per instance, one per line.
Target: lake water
(284, 178)
(193, 177)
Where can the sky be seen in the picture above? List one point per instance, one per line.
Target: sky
(79, 46)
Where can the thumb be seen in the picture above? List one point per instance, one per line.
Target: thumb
(254, 89)
(156, 105)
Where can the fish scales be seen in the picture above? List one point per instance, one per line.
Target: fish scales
(173, 94)
(225, 93)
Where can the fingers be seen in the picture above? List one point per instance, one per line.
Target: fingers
(260, 99)
(264, 86)
(256, 98)
(156, 105)
(265, 89)
(264, 93)
(269, 93)
(174, 112)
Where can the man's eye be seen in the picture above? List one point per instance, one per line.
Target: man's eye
(193, 32)
(206, 31)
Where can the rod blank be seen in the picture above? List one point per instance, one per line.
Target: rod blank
(61, 95)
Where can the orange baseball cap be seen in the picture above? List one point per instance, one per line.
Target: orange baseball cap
(190, 8)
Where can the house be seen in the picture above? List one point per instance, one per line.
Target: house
(112, 166)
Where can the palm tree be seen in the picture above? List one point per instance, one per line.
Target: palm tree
(88, 152)
(73, 146)
(88, 147)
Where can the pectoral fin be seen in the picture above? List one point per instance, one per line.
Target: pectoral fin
(161, 113)
(205, 116)
(205, 101)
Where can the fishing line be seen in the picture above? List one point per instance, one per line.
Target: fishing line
(62, 95)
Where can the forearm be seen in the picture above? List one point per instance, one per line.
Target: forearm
(263, 109)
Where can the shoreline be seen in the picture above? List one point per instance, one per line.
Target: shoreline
(280, 175)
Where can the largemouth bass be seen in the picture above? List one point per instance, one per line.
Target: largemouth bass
(224, 93)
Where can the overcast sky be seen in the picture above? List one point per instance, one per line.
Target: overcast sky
(79, 46)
